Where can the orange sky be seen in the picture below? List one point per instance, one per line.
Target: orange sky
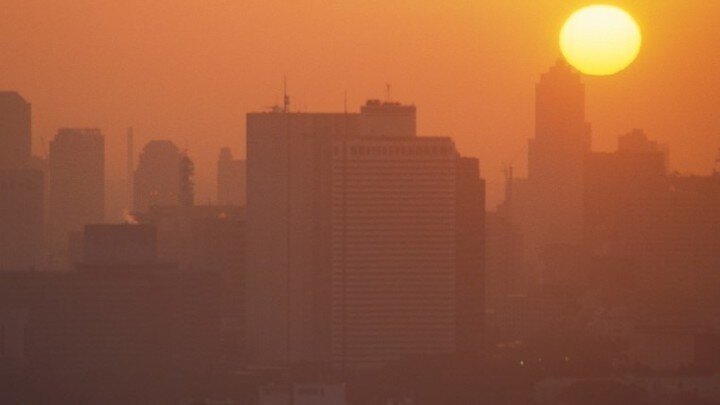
(189, 70)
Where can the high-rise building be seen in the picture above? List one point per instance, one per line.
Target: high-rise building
(230, 179)
(287, 263)
(77, 185)
(22, 187)
(352, 238)
(163, 177)
(556, 155)
(21, 216)
(547, 206)
(620, 188)
(470, 257)
(15, 131)
(407, 250)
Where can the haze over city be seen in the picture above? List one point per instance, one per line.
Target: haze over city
(332, 203)
(189, 71)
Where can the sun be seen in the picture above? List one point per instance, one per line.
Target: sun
(600, 40)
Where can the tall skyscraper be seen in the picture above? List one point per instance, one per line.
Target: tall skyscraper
(547, 206)
(287, 263)
(77, 184)
(406, 255)
(21, 188)
(352, 238)
(15, 131)
(163, 177)
(230, 179)
(556, 155)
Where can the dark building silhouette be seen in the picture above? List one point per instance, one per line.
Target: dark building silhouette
(22, 188)
(208, 239)
(123, 245)
(77, 186)
(547, 207)
(470, 257)
(15, 131)
(230, 179)
(163, 177)
(351, 220)
(556, 156)
(540, 225)
(620, 188)
(122, 319)
(21, 215)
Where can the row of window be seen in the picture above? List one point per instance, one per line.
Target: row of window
(395, 150)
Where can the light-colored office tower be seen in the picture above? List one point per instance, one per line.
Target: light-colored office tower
(393, 249)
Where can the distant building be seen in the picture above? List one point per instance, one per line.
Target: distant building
(384, 119)
(119, 245)
(547, 206)
(556, 155)
(15, 131)
(620, 188)
(77, 185)
(122, 311)
(230, 179)
(211, 240)
(21, 216)
(163, 177)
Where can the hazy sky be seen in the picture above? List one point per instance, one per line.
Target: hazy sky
(189, 70)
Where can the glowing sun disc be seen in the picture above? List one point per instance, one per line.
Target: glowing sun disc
(600, 40)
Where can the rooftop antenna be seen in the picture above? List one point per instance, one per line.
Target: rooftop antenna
(716, 170)
(388, 92)
(345, 102)
(286, 98)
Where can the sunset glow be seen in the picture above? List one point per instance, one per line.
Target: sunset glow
(600, 40)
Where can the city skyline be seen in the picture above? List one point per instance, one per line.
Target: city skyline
(468, 83)
(366, 203)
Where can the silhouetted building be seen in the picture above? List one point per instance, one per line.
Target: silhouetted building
(122, 316)
(230, 179)
(287, 266)
(15, 131)
(163, 177)
(77, 185)
(209, 239)
(384, 119)
(547, 207)
(470, 257)
(21, 216)
(620, 188)
(120, 245)
(556, 156)
(353, 237)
